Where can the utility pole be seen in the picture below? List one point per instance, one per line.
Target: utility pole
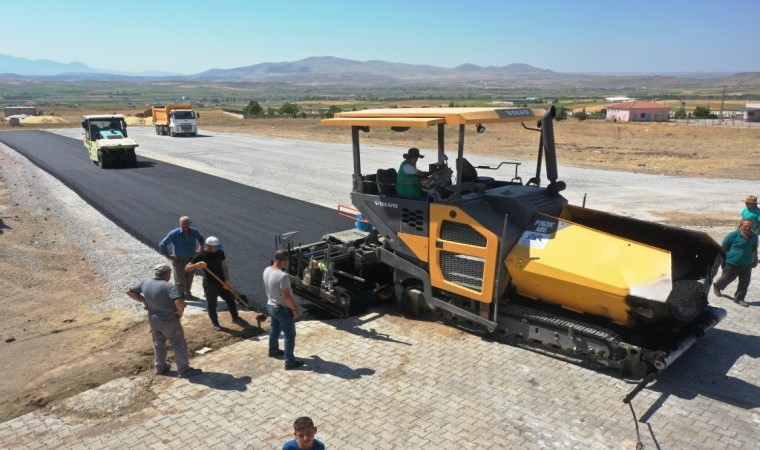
(721, 105)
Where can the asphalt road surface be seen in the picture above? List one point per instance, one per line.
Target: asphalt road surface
(147, 202)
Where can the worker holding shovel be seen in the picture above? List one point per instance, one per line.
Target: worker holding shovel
(216, 280)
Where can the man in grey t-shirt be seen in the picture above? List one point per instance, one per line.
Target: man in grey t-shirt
(165, 307)
(282, 309)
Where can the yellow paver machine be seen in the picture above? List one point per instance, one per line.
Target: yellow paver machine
(511, 257)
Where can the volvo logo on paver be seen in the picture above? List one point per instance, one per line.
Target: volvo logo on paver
(386, 204)
(522, 112)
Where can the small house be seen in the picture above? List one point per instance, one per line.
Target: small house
(638, 111)
(752, 112)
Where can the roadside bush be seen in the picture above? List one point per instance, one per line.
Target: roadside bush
(289, 109)
(253, 109)
(701, 112)
(332, 111)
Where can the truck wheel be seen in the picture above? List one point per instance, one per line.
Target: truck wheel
(102, 160)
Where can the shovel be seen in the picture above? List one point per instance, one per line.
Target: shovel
(242, 299)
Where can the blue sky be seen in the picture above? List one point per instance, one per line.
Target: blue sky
(190, 36)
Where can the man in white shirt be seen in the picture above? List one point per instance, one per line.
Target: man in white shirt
(282, 309)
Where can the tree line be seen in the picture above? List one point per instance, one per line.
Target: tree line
(254, 109)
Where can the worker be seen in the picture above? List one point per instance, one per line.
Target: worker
(751, 212)
(408, 176)
(185, 242)
(165, 307)
(741, 257)
(216, 280)
(282, 309)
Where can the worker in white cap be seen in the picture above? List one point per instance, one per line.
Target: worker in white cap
(216, 280)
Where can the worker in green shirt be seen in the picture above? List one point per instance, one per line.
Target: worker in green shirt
(740, 246)
(751, 212)
(408, 177)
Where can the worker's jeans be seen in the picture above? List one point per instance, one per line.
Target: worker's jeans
(182, 280)
(162, 328)
(282, 321)
(729, 274)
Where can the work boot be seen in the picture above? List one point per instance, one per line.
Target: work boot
(741, 302)
(276, 353)
(716, 291)
(216, 327)
(240, 321)
(189, 373)
(294, 365)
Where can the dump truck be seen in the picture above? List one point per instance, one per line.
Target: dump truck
(176, 119)
(106, 141)
(510, 257)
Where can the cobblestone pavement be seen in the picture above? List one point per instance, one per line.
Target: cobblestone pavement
(381, 381)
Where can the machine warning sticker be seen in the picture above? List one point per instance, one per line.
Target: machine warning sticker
(532, 239)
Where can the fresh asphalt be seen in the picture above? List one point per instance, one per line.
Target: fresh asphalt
(148, 200)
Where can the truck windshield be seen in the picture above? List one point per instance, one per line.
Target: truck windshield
(184, 114)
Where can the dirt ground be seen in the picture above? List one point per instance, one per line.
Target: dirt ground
(55, 345)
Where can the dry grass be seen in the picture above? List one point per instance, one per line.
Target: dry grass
(653, 148)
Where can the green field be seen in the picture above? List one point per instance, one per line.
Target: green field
(132, 95)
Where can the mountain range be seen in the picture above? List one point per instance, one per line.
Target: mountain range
(332, 71)
(13, 65)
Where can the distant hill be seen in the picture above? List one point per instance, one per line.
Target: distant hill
(332, 71)
(22, 66)
(12, 65)
(328, 70)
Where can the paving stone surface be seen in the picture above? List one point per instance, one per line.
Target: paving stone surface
(382, 381)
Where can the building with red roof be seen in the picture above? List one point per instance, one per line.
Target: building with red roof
(638, 111)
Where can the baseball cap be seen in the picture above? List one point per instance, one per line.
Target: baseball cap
(214, 242)
(161, 269)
